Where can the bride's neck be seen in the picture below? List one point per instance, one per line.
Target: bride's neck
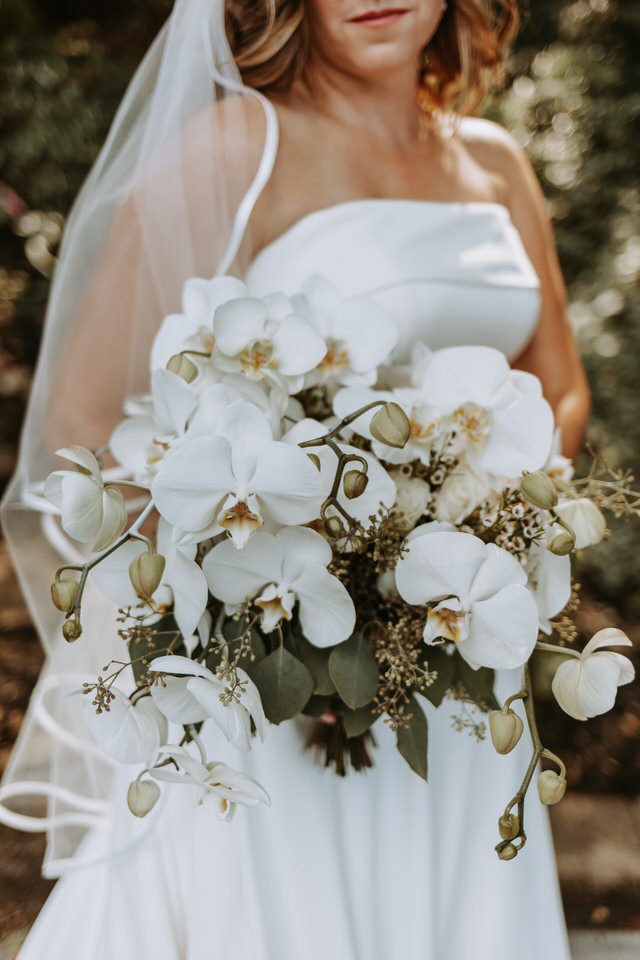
(384, 106)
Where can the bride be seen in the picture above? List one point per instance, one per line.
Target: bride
(297, 137)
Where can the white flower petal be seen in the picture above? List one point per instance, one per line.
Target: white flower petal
(247, 432)
(174, 401)
(130, 734)
(498, 570)
(503, 630)
(174, 699)
(81, 506)
(520, 437)
(288, 483)
(238, 323)
(459, 375)
(84, 458)
(327, 614)
(299, 347)
(234, 575)
(368, 330)
(114, 518)
(232, 718)
(438, 565)
(130, 443)
(608, 637)
(191, 482)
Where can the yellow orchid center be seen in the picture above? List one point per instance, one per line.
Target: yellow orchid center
(472, 421)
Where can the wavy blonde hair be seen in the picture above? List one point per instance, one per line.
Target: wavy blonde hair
(270, 41)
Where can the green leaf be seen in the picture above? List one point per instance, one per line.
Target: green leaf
(477, 683)
(152, 643)
(285, 685)
(317, 661)
(412, 740)
(354, 671)
(435, 658)
(357, 721)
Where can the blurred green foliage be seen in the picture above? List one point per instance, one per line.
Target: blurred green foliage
(572, 100)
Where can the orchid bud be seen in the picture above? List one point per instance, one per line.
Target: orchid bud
(315, 460)
(71, 630)
(355, 483)
(142, 797)
(539, 490)
(507, 852)
(63, 594)
(561, 543)
(506, 729)
(334, 527)
(145, 573)
(585, 519)
(509, 826)
(551, 787)
(391, 425)
(182, 367)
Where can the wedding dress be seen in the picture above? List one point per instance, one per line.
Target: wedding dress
(376, 865)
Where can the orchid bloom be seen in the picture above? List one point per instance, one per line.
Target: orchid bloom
(127, 732)
(195, 694)
(275, 572)
(89, 509)
(479, 595)
(183, 583)
(586, 686)
(235, 479)
(358, 335)
(222, 786)
(500, 419)
(259, 337)
(193, 328)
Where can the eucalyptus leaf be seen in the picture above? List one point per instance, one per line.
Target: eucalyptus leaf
(153, 642)
(412, 740)
(477, 683)
(436, 659)
(357, 721)
(317, 661)
(284, 683)
(354, 671)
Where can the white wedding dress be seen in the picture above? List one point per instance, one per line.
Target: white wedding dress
(376, 865)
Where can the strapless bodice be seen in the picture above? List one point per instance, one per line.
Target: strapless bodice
(448, 273)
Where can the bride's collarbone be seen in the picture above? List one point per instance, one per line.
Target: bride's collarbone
(311, 173)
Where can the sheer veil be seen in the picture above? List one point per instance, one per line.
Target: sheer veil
(168, 198)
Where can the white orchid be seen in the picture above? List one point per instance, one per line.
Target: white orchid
(585, 519)
(193, 328)
(380, 487)
(501, 421)
(183, 583)
(265, 337)
(357, 333)
(586, 686)
(90, 511)
(481, 601)
(222, 786)
(236, 479)
(197, 693)
(278, 571)
(128, 732)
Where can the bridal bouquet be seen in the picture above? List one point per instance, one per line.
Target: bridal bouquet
(325, 532)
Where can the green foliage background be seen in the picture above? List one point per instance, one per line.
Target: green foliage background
(572, 99)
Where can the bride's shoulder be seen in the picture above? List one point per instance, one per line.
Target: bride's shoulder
(498, 151)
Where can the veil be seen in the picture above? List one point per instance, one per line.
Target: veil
(169, 198)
